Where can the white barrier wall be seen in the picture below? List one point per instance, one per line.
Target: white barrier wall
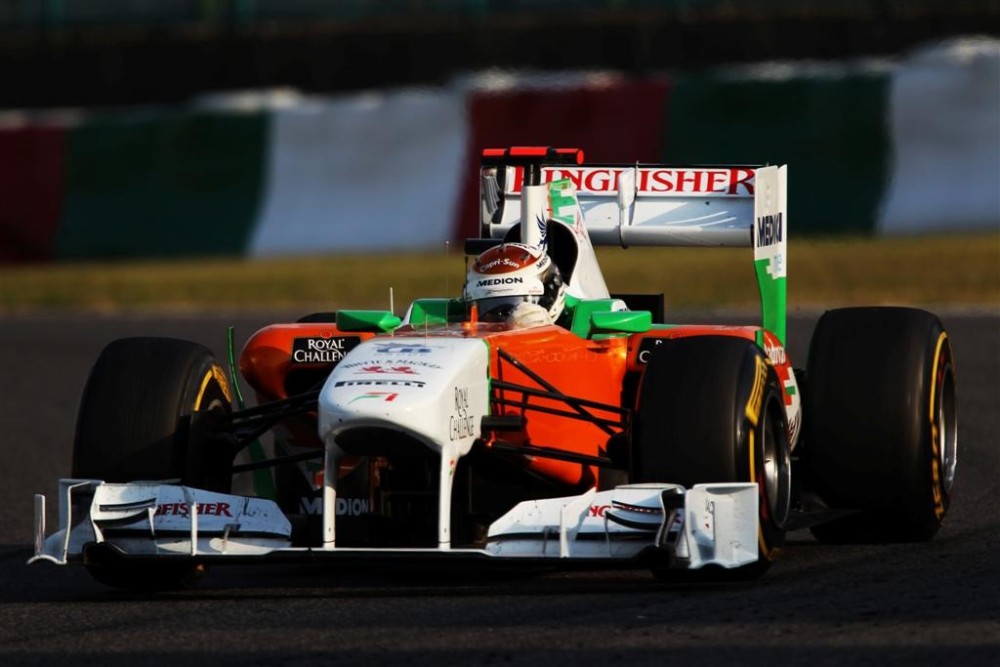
(380, 170)
(384, 170)
(945, 128)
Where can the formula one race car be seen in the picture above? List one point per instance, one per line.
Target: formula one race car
(599, 436)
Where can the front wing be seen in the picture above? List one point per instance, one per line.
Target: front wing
(633, 525)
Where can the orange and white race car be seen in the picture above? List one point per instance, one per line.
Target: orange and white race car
(538, 419)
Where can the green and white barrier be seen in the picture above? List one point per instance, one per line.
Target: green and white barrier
(880, 147)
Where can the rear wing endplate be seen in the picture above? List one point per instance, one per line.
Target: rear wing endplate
(645, 205)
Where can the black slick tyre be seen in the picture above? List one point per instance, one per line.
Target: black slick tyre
(881, 427)
(710, 409)
(134, 423)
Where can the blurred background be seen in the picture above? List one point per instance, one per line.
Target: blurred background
(172, 128)
(115, 52)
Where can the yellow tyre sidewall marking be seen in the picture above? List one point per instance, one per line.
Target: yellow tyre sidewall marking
(215, 373)
(752, 413)
(939, 508)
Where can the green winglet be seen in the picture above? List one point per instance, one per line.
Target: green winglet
(367, 320)
(594, 316)
(621, 321)
(428, 312)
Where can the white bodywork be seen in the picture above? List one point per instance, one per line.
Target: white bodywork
(155, 519)
(435, 389)
(716, 524)
(432, 388)
(642, 205)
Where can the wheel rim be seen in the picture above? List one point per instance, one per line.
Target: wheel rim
(946, 418)
(775, 469)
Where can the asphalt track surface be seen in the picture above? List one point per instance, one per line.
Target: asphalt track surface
(935, 603)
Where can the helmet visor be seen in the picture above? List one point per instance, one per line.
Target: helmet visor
(499, 308)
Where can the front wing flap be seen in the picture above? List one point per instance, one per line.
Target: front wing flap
(709, 524)
(155, 519)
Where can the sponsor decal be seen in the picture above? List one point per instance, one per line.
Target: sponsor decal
(774, 267)
(775, 352)
(708, 516)
(460, 423)
(204, 509)
(543, 232)
(368, 383)
(598, 510)
(562, 198)
(794, 424)
(729, 181)
(310, 506)
(770, 230)
(368, 363)
(345, 506)
(495, 263)
(782, 366)
(386, 396)
(222, 380)
(352, 506)
(489, 282)
(402, 348)
(401, 370)
(757, 391)
(646, 348)
(319, 350)
(555, 355)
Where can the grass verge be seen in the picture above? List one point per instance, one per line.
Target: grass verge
(931, 271)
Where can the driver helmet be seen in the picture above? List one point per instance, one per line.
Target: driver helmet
(512, 273)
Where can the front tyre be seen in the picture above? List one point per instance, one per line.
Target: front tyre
(881, 426)
(711, 409)
(134, 423)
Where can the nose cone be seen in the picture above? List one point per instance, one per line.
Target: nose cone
(434, 389)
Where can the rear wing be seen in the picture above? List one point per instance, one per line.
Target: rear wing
(644, 205)
(641, 204)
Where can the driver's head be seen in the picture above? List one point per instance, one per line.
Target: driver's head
(512, 273)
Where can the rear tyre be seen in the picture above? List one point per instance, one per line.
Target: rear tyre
(134, 424)
(710, 409)
(881, 427)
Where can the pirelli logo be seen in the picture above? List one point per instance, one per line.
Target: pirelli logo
(757, 392)
(368, 383)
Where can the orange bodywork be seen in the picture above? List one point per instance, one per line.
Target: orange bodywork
(268, 362)
(268, 356)
(585, 369)
(574, 393)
